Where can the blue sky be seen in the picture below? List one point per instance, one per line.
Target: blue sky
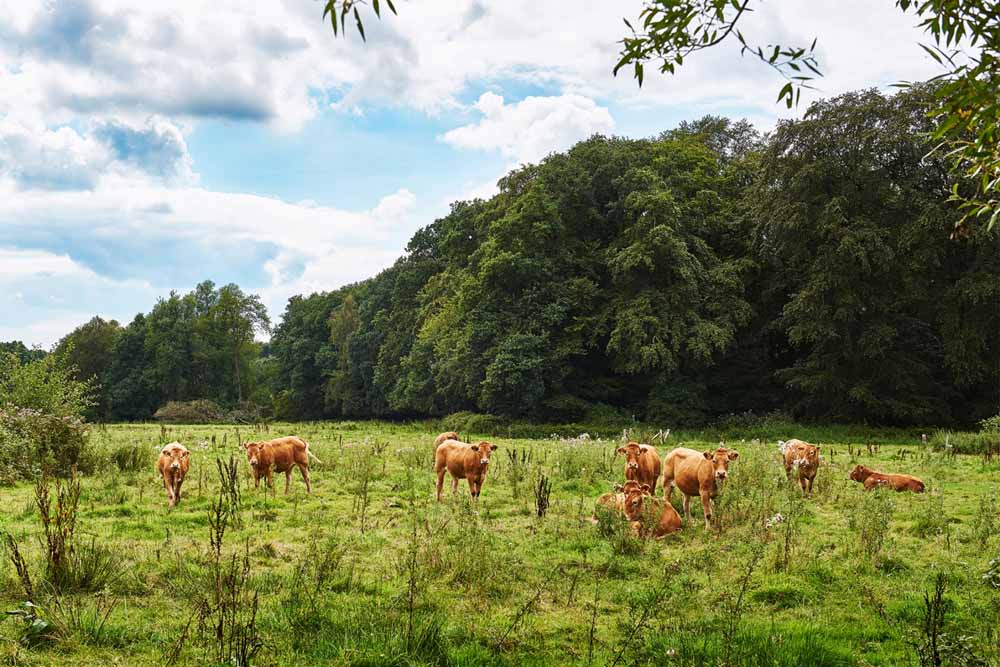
(145, 147)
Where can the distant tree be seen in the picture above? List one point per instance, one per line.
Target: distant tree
(240, 316)
(23, 353)
(88, 349)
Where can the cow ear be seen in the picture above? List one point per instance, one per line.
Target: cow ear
(708, 455)
(645, 488)
(817, 446)
(475, 448)
(643, 448)
(618, 488)
(733, 454)
(493, 448)
(185, 454)
(620, 450)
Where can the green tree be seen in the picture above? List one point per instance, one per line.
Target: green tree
(240, 317)
(88, 349)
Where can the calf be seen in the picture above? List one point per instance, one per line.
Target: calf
(462, 460)
(696, 474)
(626, 499)
(803, 458)
(172, 465)
(642, 463)
(646, 514)
(872, 479)
(447, 435)
(282, 455)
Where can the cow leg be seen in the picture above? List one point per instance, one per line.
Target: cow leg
(170, 491)
(177, 491)
(687, 506)
(256, 480)
(706, 505)
(305, 476)
(440, 483)
(454, 485)
(473, 487)
(288, 479)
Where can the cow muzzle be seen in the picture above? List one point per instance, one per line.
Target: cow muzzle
(633, 466)
(175, 466)
(484, 462)
(721, 474)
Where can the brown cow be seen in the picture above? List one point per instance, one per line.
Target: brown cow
(447, 435)
(642, 463)
(872, 479)
(803, 458)
(696, 474)
(462, 460)
(172, 465)
(282, 455)
(624, 499)
(646, 514)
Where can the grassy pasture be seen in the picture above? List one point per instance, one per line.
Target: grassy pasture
(369, 570)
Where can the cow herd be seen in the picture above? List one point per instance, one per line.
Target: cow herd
(695, 474)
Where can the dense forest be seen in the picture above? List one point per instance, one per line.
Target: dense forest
(708, 271)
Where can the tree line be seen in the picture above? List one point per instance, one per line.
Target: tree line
(707, 271)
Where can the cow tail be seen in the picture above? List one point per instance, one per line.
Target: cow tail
(311, 455)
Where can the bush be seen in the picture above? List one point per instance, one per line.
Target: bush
(47, 385)
(991, 425)
(31, 441)
(966, 443)
(190, 412)
(471, 422)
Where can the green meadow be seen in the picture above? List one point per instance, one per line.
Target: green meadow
(370, 570)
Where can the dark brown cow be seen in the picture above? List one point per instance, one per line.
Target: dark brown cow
(463, 461)
(803, 458)
(172, 465)
(642, 463)
(696, 474)
(872, 479)
(281, 455)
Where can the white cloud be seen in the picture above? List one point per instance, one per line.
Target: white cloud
(532, 128)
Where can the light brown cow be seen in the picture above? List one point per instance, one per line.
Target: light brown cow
(647, 515)
(659, 518)
(172, 465)
(696, 474)
(463, 461)
(281, 455)
(642, 463)
(803, 458)
(626, 499)
(872, 479)
(447, 435)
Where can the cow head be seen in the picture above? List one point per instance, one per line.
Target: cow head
(485, 449)
(860, 473)
(631, 452)
(176, 453)
(253, 450)
(720, 459)
(634, 498)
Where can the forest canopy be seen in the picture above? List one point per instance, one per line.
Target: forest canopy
(707, 271)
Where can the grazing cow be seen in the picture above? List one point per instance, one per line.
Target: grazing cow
(803, 458)
(642, 463)
(282, 455)
(872, 479)
(696, 474)
(462, 460)
(172, 465)
(448, 435)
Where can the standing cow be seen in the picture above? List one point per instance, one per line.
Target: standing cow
(642, 464)
(697, 474)
(463, 461)
(803, 458)
(172, 465)
(282, 455)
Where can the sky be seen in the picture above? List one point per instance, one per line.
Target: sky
(145, 147)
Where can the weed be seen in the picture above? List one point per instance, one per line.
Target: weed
(870, 520)
(543, 490)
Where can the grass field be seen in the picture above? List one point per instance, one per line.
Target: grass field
(369, 570)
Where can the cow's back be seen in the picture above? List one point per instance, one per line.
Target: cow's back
(682, 465)
(451, 454)
(285, 452)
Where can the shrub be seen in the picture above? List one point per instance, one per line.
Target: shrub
(966, 443)
(190, 412)
(471, 422)
(47, 385)
(32, 441)
(991, 425)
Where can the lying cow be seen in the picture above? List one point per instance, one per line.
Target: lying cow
(802, 457)
(872, 479)
(172, 465)
(642, 463)
(463, 461)
(696, 474)
(647, 515)
(281, 455)
(447, 435)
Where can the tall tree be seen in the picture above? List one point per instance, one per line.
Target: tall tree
(240, 316)
(88, 349)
